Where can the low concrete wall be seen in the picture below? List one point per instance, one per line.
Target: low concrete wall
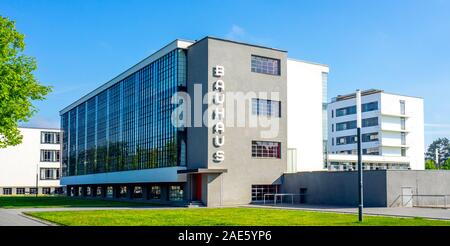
(430, 185)
(381, 188)
(338, 188)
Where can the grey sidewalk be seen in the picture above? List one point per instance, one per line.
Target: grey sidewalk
(13, 217)
(428, 213)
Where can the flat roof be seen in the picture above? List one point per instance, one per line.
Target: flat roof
(40, 128)
(366, 93)
(239, 42)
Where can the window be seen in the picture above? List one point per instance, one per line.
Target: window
(7, 191)
(20, 191)
(33, 191)
(175, 193)
(265, 65)
(332, 113)
(346, 125)
(403, 138)
(371, 151)
(99, 191)
(332, 141)
(155, 192)
(49, 155)
(345, 111)
(266, 107)
(403, 152)
(123, 192)
(346, 140)
(403, 123)
(370, 122)
(50, 137)
(258, 191)
(46, 190)
(366, 107)
(109, 192)
(128, 126)
(137, 192)
(369, 137)
(50, 173)
(332, 127)
(402, 107)
(266, 149)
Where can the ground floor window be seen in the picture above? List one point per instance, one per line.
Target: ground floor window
(99, 191)
(20, 191)
(258, 191)
(123, 191)
(175, 193)
(155, 192)
(33, 191)
(88, 191)
(7, 191)
(137, 192)
(46, 191)
(59, 190)
(110, 192)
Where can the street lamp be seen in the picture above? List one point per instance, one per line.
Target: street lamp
(360, 168)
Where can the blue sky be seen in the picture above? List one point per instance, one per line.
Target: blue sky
(401, 46)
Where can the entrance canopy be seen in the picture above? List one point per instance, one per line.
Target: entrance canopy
(202, 171)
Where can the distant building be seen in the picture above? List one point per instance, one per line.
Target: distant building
(392, 133)
(307, 115)
(32, 166)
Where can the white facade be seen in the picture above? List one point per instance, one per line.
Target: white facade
(393, 136)
(306, 109)
(22, 166)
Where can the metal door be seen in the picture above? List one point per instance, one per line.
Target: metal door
(407, 197)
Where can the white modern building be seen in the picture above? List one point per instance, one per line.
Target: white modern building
(392, 134)
(307, 115)
(32, 166)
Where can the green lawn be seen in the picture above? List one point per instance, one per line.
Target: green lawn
(222, 217)
(58, 201)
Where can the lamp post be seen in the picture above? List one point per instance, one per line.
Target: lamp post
(360, 168)
(438, 166)
(37, 179)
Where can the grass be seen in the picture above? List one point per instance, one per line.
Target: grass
(59, 202)
(223, 217)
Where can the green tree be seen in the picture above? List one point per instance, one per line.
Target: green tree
(429, 165)
(446, 165)
(18, 86)
(443, 147)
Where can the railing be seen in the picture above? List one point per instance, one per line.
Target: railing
(426, 201)
(279, 197)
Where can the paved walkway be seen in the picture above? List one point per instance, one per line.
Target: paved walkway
(429, 213)
(15, 217)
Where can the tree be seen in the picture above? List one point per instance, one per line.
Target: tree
(443, 146)
(429, 165)
(18, 86)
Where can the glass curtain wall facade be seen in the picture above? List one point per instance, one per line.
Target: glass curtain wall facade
(128, 126)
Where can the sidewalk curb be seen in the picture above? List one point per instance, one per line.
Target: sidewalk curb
(47, 223)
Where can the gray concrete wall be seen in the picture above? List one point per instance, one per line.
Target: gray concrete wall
(430, 183)
(234, 187)
(338, 188)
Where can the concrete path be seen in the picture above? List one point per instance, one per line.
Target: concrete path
(13, 217)
(428, 213)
